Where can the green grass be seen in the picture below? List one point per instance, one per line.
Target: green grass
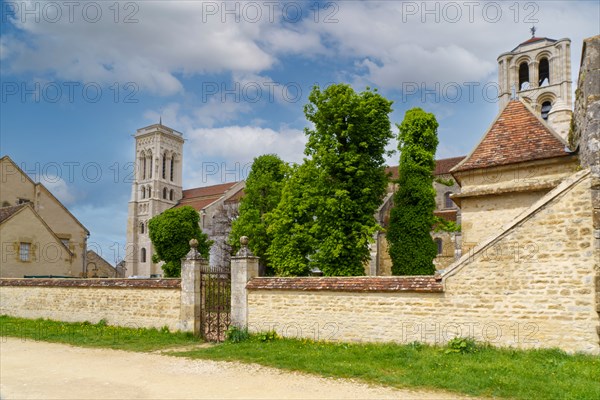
(480, 371)
(86, 334)
(490, 372)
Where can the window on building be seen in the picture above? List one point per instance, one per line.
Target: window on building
(143, 192)
(523, 76)
(165, 193)
(448, 203)
(440, 245)
(144, 166)
(24, 251)
(143, 255)
(544, 72)
(150, 170)
(172, 168)
(546, 107)
(141, 227)
(171, 195)
(164, 166)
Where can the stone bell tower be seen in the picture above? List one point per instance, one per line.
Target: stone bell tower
(539, 71)
(156, 187)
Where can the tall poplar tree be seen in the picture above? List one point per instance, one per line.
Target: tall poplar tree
(411, 247)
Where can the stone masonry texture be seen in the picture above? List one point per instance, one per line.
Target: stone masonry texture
(121, 302)
(532, 286)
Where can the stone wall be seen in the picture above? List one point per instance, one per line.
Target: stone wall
(121, 302)
(531, 285)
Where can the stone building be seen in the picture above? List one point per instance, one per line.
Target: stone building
(38, 233)
(539, 71)
(98, 267)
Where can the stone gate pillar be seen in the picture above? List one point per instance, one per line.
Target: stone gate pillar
(191, 299)
(244, 267)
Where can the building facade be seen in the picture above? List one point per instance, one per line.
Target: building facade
(38, 233)
(539, 72)
(156, 187)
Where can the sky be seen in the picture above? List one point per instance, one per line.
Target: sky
(80, 77)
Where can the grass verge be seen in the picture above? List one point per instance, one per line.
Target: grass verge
(485, 371)
(463, 368)
(101, 335)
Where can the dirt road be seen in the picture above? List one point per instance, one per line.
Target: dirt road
(39, 370)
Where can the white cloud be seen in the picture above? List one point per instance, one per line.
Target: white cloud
(59, 188)
(169, 38)
(216, 155)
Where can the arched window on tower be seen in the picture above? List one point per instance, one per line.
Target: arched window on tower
(172, 167)
(164, 193)
(143, 192)
(546, 107)
(164, 166)
(440, 246)
(150, 170)
(523, 76)
(143, 157)
(448, 203)
(143, 255)
(141, 227)
(149, 191)
(544, 72)
(171, 195)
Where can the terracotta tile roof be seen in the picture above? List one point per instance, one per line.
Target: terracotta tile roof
(516, 135)
(197, 204)
(201, 197)
(442, 167)
(448, 215)
(7, 212)
(207, 190)
(351, 284)
(532, 40)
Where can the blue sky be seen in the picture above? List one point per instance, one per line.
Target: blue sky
(79, 78)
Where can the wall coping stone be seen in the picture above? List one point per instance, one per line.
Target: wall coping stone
(96, 283)
(427, 284)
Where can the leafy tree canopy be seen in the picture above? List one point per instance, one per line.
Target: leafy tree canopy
(411, 247)
(261, 195)
(325, 217)
(171, 232)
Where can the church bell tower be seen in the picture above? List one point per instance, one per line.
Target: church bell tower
(539, 72)
(156, 187)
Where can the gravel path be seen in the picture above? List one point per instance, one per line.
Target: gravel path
(39, 370)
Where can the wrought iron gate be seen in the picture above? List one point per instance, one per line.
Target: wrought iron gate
(215, 311)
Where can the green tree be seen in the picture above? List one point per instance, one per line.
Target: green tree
(261, 195)
(292, 223)
(329, 203)
(170, 233)
(411, 247)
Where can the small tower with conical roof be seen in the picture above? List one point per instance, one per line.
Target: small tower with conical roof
(539, 70)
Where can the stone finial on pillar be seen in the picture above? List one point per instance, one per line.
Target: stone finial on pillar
(244, 267)
(193, 254)
(244, 250)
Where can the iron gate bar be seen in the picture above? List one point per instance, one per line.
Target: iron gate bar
(216, 304)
